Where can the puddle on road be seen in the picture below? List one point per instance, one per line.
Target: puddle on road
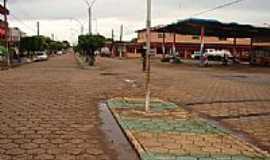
(115, 135)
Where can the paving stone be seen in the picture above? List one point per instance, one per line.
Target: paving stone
(5, 157)
(65, 157)
(5, 141)
(94, 151)
(29, 146)
(76, 141)
(40, 141)
(9, 146)
(85, 157)
(15, 151)
(44, 157)
(37, 151)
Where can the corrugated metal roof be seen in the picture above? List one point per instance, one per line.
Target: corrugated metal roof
(192, 26)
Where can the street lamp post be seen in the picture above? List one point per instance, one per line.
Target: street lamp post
(90, 7)
(81, 24)
(148, 56)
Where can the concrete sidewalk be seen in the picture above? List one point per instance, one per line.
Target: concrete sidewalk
(169, 132)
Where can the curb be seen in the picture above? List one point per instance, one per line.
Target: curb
(131, 139)
(79, 61)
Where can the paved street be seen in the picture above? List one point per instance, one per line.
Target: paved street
(49, 110)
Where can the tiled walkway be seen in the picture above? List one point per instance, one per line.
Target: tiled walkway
(171, 133)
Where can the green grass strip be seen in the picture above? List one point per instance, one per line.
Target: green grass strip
(164, 125)
(156, 106)
(156, 156)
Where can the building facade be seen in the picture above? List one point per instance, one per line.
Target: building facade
(3, 24)
(186, 45)
(15, 35)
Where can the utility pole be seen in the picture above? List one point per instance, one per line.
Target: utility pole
(148, 56)
(79, 22)
(82, 30)
(52, 36)
(7, 32)
(90, 20)
(112, 35)
(112, 49)
(202, 46)
(38, 33)
(121, 38)
(90, 6)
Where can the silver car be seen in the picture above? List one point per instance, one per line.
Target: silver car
(41, 56)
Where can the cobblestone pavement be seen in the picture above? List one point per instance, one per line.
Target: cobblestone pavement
(239, 100)
(172, 133)
(48, 110)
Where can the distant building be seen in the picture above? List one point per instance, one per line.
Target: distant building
(2, 23)
(2, 30)
(186, 44)
(15, 35)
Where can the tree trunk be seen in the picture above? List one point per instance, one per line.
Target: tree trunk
(92, 60)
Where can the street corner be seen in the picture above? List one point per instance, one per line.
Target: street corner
(170, 132)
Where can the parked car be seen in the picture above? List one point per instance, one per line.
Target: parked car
(59, 53)
(171, 59)
(41, 56)
(196, 55)
(105, 52)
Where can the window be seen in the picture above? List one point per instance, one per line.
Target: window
(161, 35)
(222, 38)
(196, 37)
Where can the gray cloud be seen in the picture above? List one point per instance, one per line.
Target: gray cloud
(112, 13)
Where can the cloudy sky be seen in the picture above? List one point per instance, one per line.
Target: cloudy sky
(55, 15)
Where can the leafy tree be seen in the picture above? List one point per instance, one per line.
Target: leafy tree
(41, 43)
(33, 43)
(66, 44)
(56, 46)
(88, 44)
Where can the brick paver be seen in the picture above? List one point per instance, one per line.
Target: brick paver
(48, 111)
(157, 136)
(235, 98)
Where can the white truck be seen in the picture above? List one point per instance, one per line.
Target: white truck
(213, 54)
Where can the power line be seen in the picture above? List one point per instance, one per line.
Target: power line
(217, 7)
(21, 22)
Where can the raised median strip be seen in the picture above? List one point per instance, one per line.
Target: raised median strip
(169, 132)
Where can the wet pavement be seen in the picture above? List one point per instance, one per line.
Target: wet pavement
(115, 135)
